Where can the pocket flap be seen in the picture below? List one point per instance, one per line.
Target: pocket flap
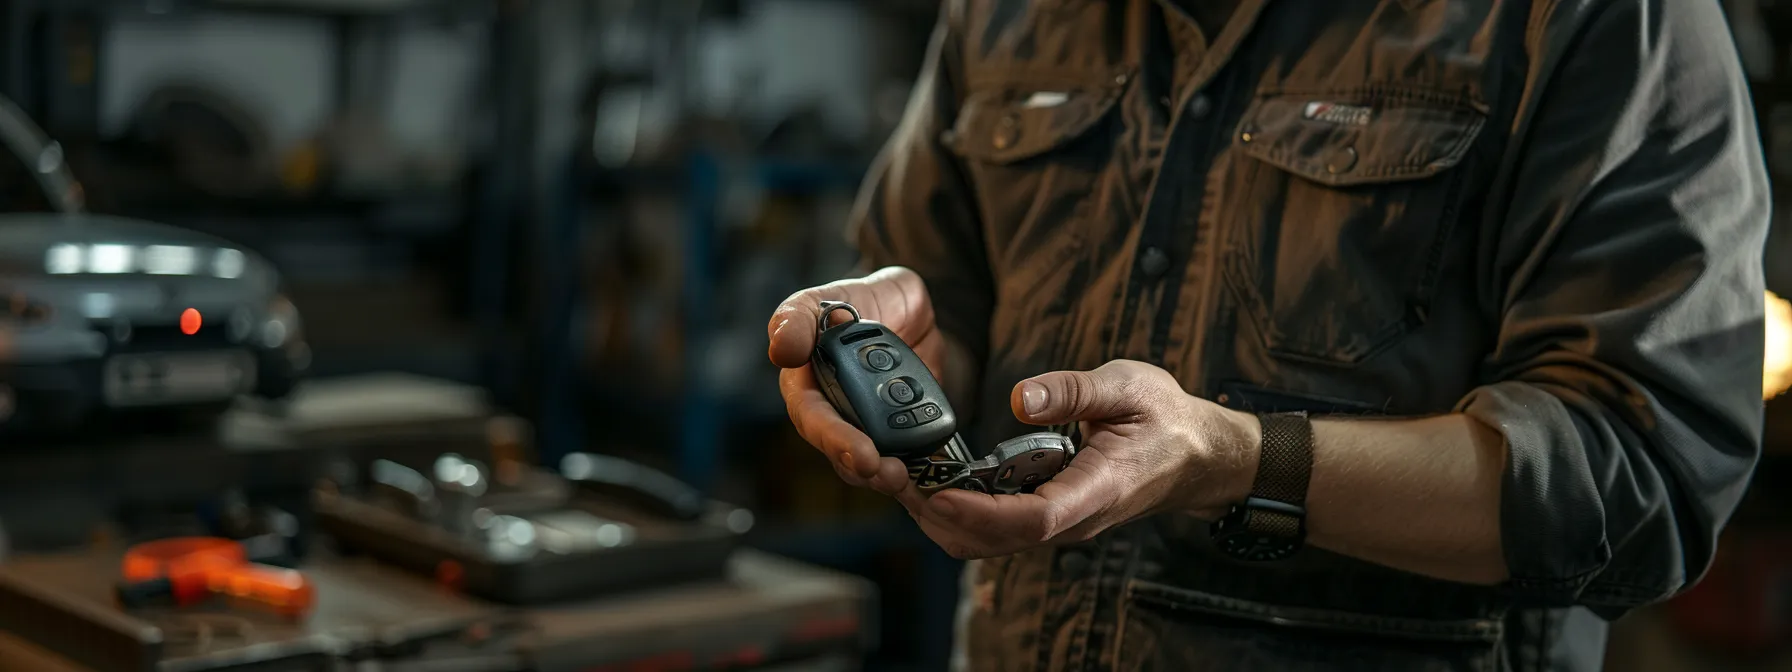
(1005, 125)
(1365, 140)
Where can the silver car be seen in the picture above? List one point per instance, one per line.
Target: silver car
(100, 313)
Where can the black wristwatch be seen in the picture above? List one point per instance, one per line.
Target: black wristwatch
(1271, 524)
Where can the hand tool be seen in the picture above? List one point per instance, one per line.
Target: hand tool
(189, 570)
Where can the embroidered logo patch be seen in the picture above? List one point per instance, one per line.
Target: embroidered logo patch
(1333, 113)
(1041, 99)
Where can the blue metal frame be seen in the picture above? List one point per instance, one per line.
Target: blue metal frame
(700, 427)
(703, 412)
(561, 429)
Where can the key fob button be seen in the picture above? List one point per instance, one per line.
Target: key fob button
(928, 413)
(903, 420)
(901, 392)
(879, 359)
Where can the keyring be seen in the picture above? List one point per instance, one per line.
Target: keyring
(828, 308)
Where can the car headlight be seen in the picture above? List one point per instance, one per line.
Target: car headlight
(283, 325)
(23, 311)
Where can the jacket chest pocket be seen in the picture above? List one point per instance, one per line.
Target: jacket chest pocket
(1036, 154)
(1343, 212)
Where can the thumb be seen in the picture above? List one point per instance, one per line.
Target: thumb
(1072, 396)
(791, 332)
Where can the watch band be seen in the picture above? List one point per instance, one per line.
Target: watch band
(1284, 467)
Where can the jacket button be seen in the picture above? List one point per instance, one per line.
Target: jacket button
(1341, 160)
(1199, 107)
(1007, 131)
(1154, 262)
(1072, 564)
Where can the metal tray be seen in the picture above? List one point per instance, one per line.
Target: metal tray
(622, 547)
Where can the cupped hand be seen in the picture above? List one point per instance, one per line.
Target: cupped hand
(894, 296)
(1147, 447)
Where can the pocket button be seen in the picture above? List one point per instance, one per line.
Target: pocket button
(1072, 564)
(1154, 262)
(1340, 160)
(1199, 107)
(1007, 131)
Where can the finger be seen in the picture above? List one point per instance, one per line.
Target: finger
(899, 300)
(791, 331)
(959, 544)
(911, 498)
(891, 478)
(822, 427)
(1070, 499)
(848, 477)
(954, 540)
(894, 295)
(1065, 396)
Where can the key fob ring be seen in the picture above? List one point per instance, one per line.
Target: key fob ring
(828, 308)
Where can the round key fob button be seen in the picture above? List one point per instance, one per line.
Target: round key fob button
(900, 392)
(879, 359)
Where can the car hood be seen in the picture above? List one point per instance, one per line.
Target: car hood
(26, 240)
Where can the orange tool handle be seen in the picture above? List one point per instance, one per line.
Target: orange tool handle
(197, 567)
(285, 590)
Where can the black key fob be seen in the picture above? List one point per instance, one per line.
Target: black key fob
(878, 384)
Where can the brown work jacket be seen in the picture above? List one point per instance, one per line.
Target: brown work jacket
(1547, 215)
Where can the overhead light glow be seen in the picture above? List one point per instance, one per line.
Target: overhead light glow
(1776, 374)
(98, 305)
(228, 263)
(114, 258)
(64, 259)
(273, 334)
(169, 259)
(109, 259)
(50, 158)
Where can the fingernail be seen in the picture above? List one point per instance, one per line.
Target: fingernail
(780, 327)
(1032, 398)
(846, 463)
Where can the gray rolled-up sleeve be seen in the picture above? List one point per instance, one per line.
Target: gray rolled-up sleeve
(916, 208)
(1626, 273)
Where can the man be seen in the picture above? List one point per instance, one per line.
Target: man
(1504, 256)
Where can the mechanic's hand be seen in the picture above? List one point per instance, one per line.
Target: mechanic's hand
(1148, 447)
(894, 296)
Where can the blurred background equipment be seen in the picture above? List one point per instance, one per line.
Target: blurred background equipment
(533, 244)
(211, 144)
(530, 536)
(107, 314)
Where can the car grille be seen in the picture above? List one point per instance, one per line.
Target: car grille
(166, 338)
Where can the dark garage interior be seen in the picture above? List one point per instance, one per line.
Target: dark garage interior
(507, 267)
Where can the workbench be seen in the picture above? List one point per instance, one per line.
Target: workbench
(769, 611)
(58, 614)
